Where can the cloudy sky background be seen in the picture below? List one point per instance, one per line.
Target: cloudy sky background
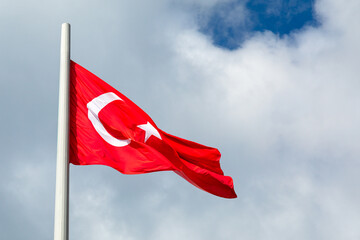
(274, 85)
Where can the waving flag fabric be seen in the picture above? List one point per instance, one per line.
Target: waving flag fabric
(107, 128)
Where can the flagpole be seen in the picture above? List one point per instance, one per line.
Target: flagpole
(61, 221)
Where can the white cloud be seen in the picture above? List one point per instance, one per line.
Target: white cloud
(291, 105)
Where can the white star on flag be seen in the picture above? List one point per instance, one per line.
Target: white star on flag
(149, 130)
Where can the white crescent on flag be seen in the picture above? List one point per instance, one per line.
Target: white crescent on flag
(94, 107)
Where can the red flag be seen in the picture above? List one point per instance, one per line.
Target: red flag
(107, 128)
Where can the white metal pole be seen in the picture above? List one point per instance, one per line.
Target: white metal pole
(61, 223)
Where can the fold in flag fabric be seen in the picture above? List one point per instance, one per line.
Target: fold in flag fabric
(106, 128)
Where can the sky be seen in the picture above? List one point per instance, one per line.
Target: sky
(274, 85)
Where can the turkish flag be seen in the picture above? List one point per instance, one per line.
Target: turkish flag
(107, 128)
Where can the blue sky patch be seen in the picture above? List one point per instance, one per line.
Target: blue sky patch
(230, 23)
